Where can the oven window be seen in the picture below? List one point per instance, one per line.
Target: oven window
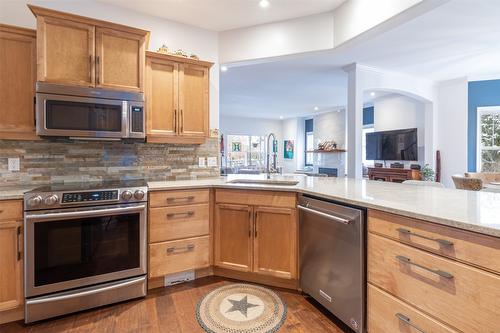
(65, 115)
(72, 249)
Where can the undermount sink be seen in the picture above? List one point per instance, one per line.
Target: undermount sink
(264, 181)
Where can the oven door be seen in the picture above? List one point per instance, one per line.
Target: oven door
(70, 248)
(74, 116)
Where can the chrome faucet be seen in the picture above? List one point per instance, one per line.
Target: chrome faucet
(268, 167)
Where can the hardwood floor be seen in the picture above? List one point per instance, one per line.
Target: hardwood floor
(173, 310)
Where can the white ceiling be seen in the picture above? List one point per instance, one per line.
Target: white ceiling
(220, 15)
(460, 38)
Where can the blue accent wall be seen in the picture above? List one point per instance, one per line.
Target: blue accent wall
(481, 93)
(368, 115)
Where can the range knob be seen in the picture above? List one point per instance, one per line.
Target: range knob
(139, 194)
(126, 195)
(34, 201)
(51, 200)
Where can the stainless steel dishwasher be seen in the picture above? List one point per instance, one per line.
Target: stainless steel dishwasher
(332, 258)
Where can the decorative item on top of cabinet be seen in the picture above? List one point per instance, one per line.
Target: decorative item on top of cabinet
(17, 84)
(11, 250)
(77, 50)
(177, 101)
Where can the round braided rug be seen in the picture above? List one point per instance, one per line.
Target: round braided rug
(241, 308)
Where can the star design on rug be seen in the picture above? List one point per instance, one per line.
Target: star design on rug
(241, 305)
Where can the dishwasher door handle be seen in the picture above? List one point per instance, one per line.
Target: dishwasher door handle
(325, 215)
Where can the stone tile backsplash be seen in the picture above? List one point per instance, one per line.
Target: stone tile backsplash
(64, 161)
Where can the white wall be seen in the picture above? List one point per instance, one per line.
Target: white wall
(393, 112)
(310, 33)
(354, 17)
(294, 129)
(330, 126)
(175, 35)
(452, 128)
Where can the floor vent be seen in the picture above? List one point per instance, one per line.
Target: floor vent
(177, 278)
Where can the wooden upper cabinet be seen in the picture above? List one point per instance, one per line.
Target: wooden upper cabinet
(177, 100)
(194, 86)
(162, 91)
(120, 58)
(233, 237)
(65, 51)
(17, 83)
(77, 50)
(275, 233)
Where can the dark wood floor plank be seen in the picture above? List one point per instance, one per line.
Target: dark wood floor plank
(172, 310)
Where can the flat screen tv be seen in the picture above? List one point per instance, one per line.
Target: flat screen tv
(398, 145)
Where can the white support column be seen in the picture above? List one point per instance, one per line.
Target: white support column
(354, 123)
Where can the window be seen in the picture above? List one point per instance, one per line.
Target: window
(245, 151)
(309, 142)
(366, 129)
(488, 139)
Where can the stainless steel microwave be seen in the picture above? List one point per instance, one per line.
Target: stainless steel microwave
(81, 112)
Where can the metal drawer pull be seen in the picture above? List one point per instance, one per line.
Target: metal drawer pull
(190, 198)
(187, 214)
(325, 215)
(187, 248)
(18, 243)
(438, 240)
(407, 321)
(439, 272)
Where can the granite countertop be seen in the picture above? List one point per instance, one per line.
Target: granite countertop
(467, 210)
(14, 192)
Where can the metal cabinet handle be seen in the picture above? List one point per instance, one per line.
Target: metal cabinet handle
(18, 243)
(189, 198)
(187, 214)
(438, 240)
(187, 248)
(408, 322)
(175, 120)
(182, 121)
(97, 70)
(439, 272)
(325, 215)
(90, 68)
(255, 216)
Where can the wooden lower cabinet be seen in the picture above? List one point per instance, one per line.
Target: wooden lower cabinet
(11, 270)
(275, 245)
(256, 239)
(388, 314)
(233, 236)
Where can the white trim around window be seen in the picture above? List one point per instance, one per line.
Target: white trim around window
(479, 148)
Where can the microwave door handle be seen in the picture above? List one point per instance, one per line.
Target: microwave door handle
(84, 213)
(125, 119)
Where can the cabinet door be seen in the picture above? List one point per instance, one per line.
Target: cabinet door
(162, 91)
(65, 51)
(17, 86)
(11, 295)
(194, 107)
(275, 247)
(233, 237)
(120, 60)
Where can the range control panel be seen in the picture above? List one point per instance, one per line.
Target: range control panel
(90, 196)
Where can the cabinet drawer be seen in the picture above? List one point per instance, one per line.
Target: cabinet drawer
(11, 210)
(472, 248)
(464, 297)
(256, 198)
(388, 314)
(176, 198)
(169, 223)
(177, 256)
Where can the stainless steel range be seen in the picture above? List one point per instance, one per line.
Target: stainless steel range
(85, 246)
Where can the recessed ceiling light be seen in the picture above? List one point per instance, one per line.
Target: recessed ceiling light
(372, 94)
(223, 68)
(316, 108)
(264, 3)
(281, 117)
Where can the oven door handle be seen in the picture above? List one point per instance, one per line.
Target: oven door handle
(84, 213)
